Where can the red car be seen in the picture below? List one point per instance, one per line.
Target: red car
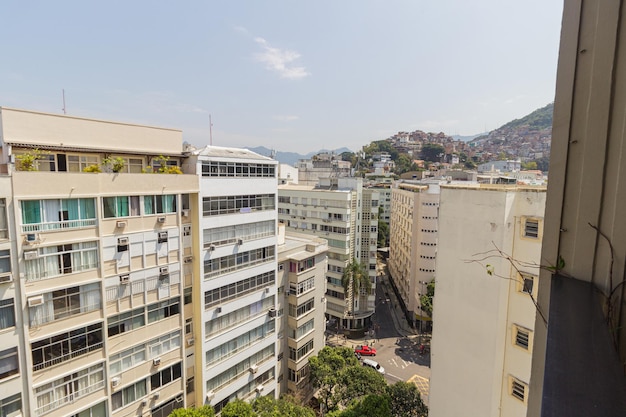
(365, 350)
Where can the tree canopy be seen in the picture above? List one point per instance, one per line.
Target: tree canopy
(432, 152)
(357, 275)
(406, 400)
(204, 411)
(426, 300)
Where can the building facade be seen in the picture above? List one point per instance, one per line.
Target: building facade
(484, 308)
(344, 213)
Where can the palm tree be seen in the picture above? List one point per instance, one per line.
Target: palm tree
(355, 276)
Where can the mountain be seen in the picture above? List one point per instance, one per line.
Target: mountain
(290, 158)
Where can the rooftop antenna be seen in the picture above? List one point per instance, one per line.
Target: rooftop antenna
(210, 131)
(64, 112)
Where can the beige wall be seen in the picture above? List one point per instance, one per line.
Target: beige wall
(28, 127)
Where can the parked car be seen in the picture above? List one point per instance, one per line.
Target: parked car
(365, 350)
(374, 365)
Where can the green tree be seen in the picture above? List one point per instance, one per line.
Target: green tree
(357, 382)
(238, 408)
(405, 164)
(325, 370)
(543, 163)
(383, 234)
(432, 152)
(406, 400)
(426, 300)
(532, 165)
(372, 405)
(286, 406)
(356, 275)
(204, 411)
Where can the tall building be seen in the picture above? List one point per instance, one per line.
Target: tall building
(96, 261)
(235, 313)
(344, 213)
(488, 257)
(413, 245)
(302, 265)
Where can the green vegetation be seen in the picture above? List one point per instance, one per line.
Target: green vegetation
(426, 300)
(113, 164)
(432, 152)
(357, 274)
(204, 411)
(28, 161)
(537, 120)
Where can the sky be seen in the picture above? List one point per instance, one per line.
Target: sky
(293, 76)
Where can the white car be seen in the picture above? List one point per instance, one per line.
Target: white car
(374, 365)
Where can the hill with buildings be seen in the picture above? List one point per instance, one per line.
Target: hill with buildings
(290, 158)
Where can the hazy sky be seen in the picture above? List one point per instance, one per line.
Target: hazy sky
(290, 75)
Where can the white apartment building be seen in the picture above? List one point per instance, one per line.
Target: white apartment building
(323, 165)
(484, 315)
(234, 322)
(344, 213)
(413, 245)
(96, 261)
(302, 265)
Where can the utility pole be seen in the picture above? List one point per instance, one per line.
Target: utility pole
(210, 131)
(64, 112)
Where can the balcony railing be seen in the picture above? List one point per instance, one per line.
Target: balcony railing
(64, 224)
(68, 399)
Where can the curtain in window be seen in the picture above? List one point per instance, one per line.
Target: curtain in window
(52, 264)
(7, 314)
(134, 206)
(121, 204)
(31, 212)
(148, 204)
(87, 208)
(43, 401)
(71, 207)
(108, 205)
(42, 313)
(89, 297)
(169, 203)
(51, 209)
(89, 256)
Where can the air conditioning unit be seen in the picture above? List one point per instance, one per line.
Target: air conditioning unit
(254, 368)
(30, 254)
(210, 395)
(124, 279)
(267, 290)
(211, 247)
(188, 259)
(6, 278)
(35, 301)
(115, 381)
(240, 241)
(156, 395)
(179, 399)
(162, 237)
(156, 361)
(161, 219)
(271, 312)
(122, 241)
(185, 212)
(218, 310)
(143, 403)
(164, 270)
(190, 341)
(121, 224)
(259, 388)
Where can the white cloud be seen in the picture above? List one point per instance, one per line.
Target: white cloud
(280, 61)
(241, 29)
(286, 117)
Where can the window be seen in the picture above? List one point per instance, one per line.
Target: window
(159, 204)
(98, 410)
(162, 310)
(230, 263)
(42, 215)
(228, 320)
(230, 234)
(10, 405)
(526, 283)
(188, 326)
(189, 387)
(166, 376)
(66, 346)
(187, 297)
(53, 261)
(164, 344)
(296, 355)
(65, 303)
(518, 389)
(129, 394)
(69, 388)
(531, 228)
(212, 206)
(4, 231)
(5, 262)
(237, 169)
(237, 289)
(7, 313)
(77, 163)
(8, 363)
(122, 206)
(127, 359)
(522, 337)
(236, 345)
(126, 322)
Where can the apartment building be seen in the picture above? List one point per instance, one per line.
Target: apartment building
(413, 245)
(96, 261)
(488, 258)
(302, 265)
(323, 165)
(234, 318)
(344, 213)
